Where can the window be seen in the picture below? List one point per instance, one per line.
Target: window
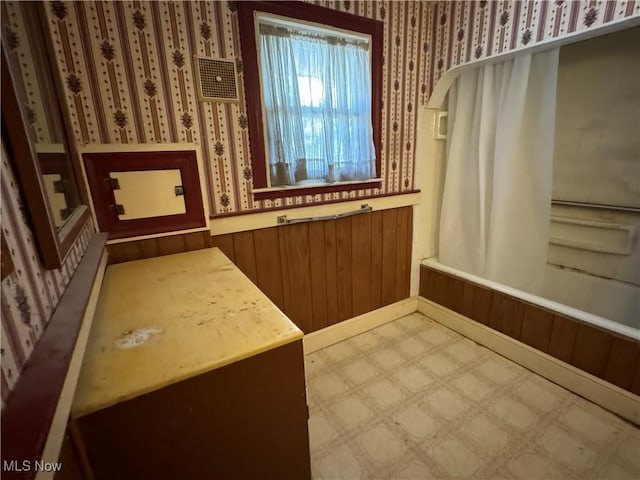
(314, 105)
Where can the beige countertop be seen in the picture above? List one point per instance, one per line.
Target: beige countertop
(166, 319)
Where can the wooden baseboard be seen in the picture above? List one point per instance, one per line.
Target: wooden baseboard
(600, 392)
(357, 325)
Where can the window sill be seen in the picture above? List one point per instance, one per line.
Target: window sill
(314, 189)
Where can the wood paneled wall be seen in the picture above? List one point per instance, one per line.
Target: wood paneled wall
(606, 355)
(156, 247)
(321, 273)
(317, 273)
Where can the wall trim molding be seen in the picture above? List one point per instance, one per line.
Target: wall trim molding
(355, 326)
(255, 221)
(55, 437)
(37, 399)
(115, 241)
(600, 392)
(318, 204)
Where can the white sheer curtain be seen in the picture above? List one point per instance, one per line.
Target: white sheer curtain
(317, 99)
(348, 134)
(285, 137)
(497, 193)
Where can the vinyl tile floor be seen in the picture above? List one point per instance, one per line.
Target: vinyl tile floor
(414, 400)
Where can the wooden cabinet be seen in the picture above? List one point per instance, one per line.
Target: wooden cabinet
(216, 390)
(72, 464)
(247, 420)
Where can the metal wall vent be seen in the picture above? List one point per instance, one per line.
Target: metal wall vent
(217, 79)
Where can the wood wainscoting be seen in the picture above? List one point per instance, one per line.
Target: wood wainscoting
(321, 273)
(317, 273)
(606, 355)
(156, 247)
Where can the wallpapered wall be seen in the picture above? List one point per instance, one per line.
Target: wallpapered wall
(129, 76)
(31, 293)
(461, 32)
(129, 79)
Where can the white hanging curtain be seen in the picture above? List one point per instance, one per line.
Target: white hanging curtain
(347, 112)
(497, 194)
(285, 137)
(317, 98)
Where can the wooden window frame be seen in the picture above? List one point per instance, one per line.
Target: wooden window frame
(307, 13)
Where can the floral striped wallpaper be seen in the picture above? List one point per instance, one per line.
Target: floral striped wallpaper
(31, 293)
(128, 69)
(461, 32)
(129, 73)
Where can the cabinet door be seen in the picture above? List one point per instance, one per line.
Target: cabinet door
(242, 421)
